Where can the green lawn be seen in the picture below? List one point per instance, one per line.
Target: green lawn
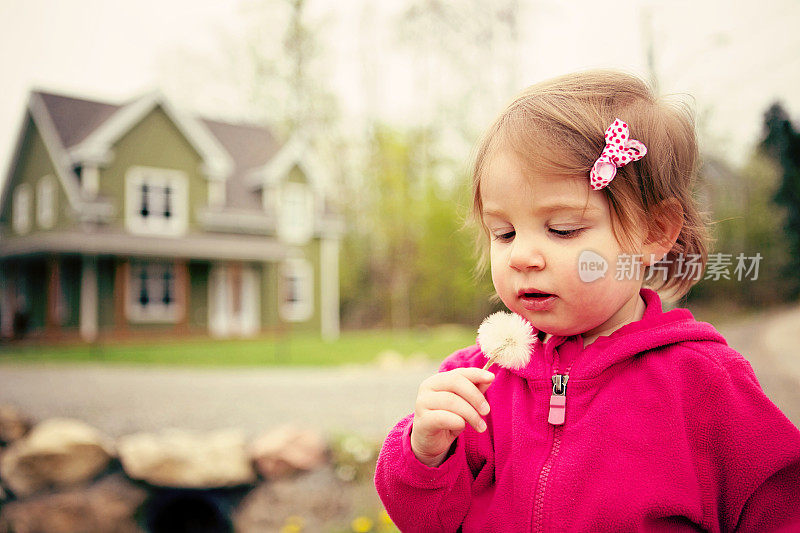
(294, 350)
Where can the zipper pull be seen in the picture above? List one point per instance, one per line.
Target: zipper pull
(558, 401)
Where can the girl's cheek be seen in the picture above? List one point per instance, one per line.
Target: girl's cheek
(496, 278)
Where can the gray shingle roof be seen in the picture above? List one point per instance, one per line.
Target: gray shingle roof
(250, 147)
(74, 118)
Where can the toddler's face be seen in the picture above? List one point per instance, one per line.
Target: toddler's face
(540, 227)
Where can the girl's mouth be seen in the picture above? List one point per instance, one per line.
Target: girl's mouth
(536, 294)
(537, 301)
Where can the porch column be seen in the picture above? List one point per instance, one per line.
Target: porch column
(234, 301)
(88, 307)
(121, 277)
(183, 292)
(329, 288)
(218, 304)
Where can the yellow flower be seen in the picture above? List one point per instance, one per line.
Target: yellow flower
(384, 518)
(362, 524)
(293, 524)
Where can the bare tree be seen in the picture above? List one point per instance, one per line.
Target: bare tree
(468, 53)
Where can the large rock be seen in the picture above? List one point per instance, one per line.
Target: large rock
(108, 506)
(181, 459)
(13, 425)
(286, 450)
(311, 501)
(56, 453)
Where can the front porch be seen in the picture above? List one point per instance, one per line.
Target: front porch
(63, 297)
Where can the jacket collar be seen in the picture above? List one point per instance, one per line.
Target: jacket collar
(656, 329)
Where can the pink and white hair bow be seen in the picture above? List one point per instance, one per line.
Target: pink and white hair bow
(619, 151)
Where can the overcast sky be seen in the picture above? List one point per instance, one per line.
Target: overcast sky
(733, 56)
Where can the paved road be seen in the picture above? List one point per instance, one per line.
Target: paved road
(770, 342)
(122, 400)
(366, 400)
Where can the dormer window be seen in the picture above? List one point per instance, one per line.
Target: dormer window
(295, 213)
(46, 202)
(21, 209)
(156, 201)
(216, 193)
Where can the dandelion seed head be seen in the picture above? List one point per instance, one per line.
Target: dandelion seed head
(506, 339)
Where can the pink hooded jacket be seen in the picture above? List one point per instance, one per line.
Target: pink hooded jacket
(666, 429)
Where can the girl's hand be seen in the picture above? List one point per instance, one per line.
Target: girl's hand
(446, 403)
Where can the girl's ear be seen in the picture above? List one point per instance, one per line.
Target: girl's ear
(667, 223)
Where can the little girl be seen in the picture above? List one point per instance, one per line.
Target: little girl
(583, 186)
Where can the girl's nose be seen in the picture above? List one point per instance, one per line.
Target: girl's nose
(525, 254)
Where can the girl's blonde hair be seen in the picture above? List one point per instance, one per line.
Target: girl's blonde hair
(560, 124)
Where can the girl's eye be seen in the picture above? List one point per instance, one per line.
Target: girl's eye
(505, 237)
(567, 233)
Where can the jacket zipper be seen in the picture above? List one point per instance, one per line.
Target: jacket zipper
(555, 417)
(558, 401)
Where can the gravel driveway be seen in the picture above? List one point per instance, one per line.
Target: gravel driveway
(366, 400)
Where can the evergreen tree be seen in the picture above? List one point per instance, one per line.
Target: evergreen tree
(782, 143)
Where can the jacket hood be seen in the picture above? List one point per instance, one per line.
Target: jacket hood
(655, 330)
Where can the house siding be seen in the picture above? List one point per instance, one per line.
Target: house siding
(296, 175)
(31, 168)
(154, 142)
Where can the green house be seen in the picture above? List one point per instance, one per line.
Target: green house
(139, 219)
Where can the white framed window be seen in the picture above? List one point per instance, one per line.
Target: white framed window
(295, 213)
(216, 193)
(46, 202)
(297, 290)
(21, 209)
(156, 201)
(152, 293)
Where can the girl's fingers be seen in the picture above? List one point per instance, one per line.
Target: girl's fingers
(446, 401)
(483, 386)
(467, 383)
(474, 374)
(447, 420)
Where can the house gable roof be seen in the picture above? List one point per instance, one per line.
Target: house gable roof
(296, 152)
(55, 149)
(73, 118)
(97, 144)
(250, 147)
(38, 114)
